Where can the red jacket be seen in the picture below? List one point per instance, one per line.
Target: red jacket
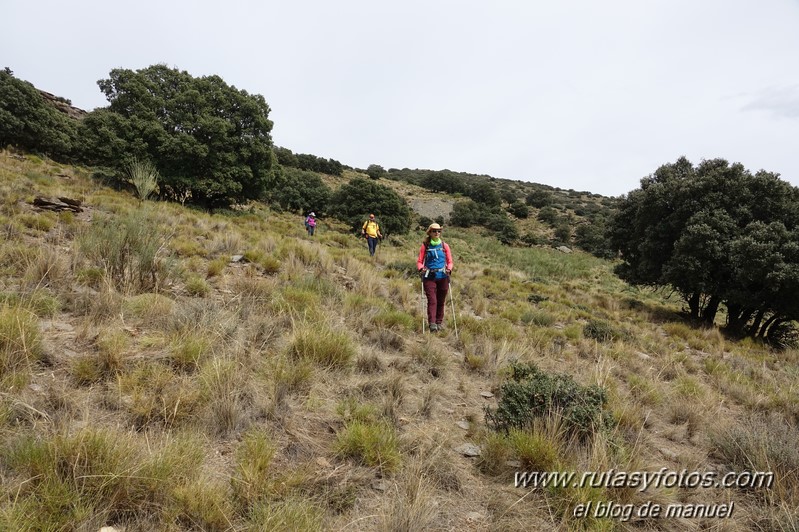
(447, 256)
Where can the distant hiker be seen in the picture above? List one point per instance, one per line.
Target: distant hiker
(434, 266)
(372, 232)
(310, 224)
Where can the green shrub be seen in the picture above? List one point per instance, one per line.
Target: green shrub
(519, 209)
(600, 330)
(531, 393)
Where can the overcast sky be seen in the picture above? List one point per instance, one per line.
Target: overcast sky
(576, 94)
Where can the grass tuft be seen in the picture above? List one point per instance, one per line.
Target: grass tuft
(323, 346)
(20, 342)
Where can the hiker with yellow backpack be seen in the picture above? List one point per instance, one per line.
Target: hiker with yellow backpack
(371, 231)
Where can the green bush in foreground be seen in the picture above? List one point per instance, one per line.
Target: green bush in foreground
(531, 393)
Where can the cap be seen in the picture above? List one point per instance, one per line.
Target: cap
(312, 214)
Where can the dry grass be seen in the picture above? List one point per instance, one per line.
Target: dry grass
(160, 386)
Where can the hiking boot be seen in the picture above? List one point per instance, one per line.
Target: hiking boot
(439, 326)
(433, 327)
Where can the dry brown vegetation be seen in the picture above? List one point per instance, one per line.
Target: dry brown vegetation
(149, 383)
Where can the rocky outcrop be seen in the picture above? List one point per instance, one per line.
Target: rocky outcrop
(63, 105)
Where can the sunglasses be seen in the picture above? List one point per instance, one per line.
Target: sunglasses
(436, 231)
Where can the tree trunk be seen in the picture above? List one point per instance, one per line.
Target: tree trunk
(756, 325)
(710, 310)
(738, 318)
(776, 323)
(766, 325)
(733, 312)
(693, 304)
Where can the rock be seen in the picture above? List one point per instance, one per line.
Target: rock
(472, 517)
(70, 201)
(322, 462)
(487, 395)
(236, 258)
(379, 485)
(63, 327)
(514, 464)
(66, 107)
(59, 205)
(468, 449)
(669, 454)
(564, 249)
(642, 356)
(463, 424)
(35, 388)
(110, 529)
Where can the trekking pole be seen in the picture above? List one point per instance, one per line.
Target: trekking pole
(422, 304)
(452, 300)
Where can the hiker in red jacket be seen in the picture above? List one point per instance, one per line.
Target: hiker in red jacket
(434, 266)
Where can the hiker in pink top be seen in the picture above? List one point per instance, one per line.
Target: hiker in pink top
(435, 266)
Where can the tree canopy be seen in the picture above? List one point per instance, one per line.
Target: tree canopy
(29, 122)
(375, 171)
(300, 191)
(354, 202)
(718, 235)
(207, 138)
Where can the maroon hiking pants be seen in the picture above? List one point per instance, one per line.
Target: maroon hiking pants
(436, 292)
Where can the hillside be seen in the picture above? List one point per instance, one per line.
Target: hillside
(162, 368)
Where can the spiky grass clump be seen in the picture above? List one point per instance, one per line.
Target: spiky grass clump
(151, 308)
(187, 351)
(763, 444)
(144, 176)
(323, 346)
(372, 443)
(127, 249)
(252, 479)
(412, 507)
(73, 479)
(432, 359)
(154, 395)
(197, 286)
(20, 343)
(395, 319)
(224, 392)
(286, 516)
